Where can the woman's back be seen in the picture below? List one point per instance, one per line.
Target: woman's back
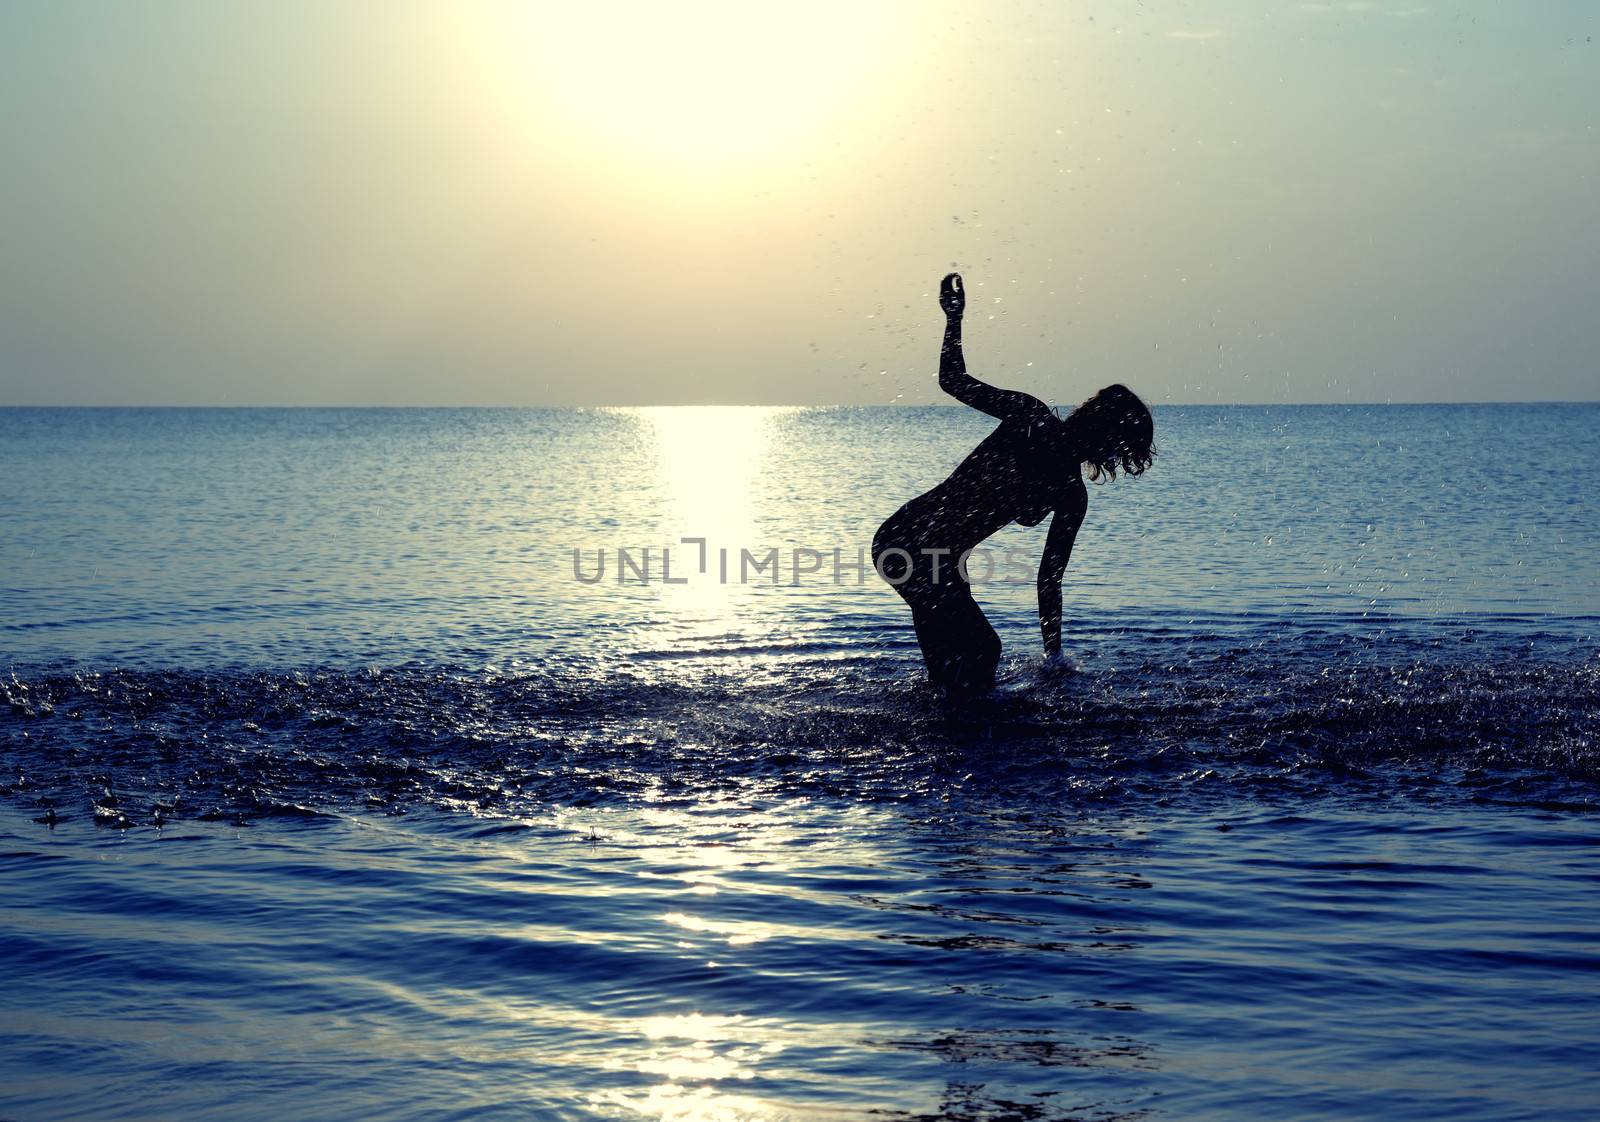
(1017, 473)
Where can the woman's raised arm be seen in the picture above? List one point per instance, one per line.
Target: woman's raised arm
(953, 377)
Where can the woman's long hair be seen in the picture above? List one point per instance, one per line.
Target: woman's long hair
(1116, 432)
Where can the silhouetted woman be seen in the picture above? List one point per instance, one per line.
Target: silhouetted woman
(1030, 466)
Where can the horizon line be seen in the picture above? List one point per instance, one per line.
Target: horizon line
(763, 405)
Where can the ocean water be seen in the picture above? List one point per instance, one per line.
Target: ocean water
(338, 781)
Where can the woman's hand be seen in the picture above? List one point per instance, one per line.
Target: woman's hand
(952, 296)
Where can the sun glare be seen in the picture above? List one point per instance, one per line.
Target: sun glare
(708, 462)
(708, 458)
(703, 80)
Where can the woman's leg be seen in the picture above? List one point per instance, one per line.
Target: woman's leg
(976, 646)
(958, 643)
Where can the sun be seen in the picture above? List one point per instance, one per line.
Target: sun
(702, 80)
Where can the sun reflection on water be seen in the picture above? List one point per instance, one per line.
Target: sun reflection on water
(709, 462)
(672, 1102)
(704, 1064)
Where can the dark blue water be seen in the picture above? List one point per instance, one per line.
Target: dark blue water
(327, 790)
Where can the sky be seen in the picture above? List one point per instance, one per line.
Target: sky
(396, 202)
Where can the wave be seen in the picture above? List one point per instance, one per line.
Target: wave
(1159, 720)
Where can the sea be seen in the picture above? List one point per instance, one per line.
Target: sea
(481, 764)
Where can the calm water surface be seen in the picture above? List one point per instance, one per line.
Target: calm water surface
(327, 790)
